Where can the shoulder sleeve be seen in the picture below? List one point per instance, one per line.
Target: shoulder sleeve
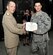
(11, 27)
(20, 26)
(44, 24)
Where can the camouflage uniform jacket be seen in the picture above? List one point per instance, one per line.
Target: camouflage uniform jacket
(44, 24)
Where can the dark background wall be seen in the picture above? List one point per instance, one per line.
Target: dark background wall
(21, 6)
(1, 13)
(1, 6)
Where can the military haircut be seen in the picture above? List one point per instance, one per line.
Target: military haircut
(8, 2)
(38, 1)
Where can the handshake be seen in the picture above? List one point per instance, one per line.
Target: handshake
(30, 26)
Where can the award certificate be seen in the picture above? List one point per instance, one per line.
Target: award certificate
(31, 26)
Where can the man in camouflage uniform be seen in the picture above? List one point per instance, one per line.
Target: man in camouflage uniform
(40, 36)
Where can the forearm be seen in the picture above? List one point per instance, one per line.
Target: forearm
(20, 26)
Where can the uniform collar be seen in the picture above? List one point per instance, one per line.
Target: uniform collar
(38, 13)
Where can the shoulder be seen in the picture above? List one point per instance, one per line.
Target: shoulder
(33, 14)
(44, 13)
(46, 16)
(6, 16)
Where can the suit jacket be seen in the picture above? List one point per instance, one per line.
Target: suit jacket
(11, 30)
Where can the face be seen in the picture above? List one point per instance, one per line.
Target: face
(38, 7)
(11, 7)
(27, 11)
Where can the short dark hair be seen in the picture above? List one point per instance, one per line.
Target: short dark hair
(8, 2)
(38, 1)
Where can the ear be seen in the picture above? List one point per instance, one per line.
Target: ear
(41, 6)
(7, 7)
